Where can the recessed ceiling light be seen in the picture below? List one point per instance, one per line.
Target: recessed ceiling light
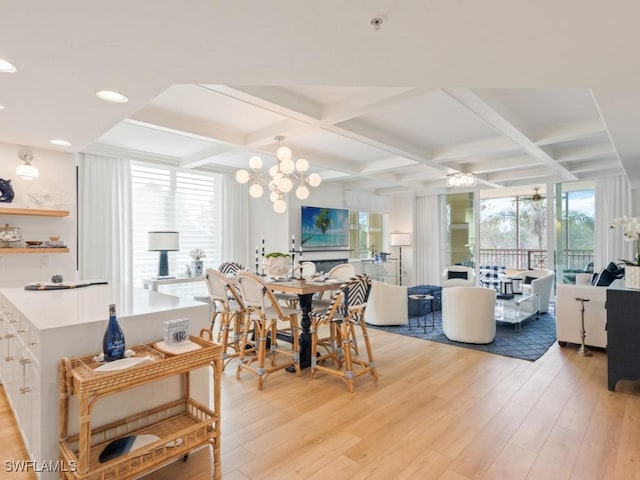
(111, 96)
(6, 66)
(57, 141)
(1, 107)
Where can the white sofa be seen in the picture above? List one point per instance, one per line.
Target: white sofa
(468, 314)
(568, 316)
(387, 305)
(454, 279)
(541, 284)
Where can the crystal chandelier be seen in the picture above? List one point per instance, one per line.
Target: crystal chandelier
(283, 176)
(461, 180)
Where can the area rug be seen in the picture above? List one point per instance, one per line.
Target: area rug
(529, 343)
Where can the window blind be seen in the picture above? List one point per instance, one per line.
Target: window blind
(168, 198)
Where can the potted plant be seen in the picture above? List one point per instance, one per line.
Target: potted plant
(631, 230)
(197, 254)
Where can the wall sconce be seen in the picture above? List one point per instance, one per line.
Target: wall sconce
(26, 171)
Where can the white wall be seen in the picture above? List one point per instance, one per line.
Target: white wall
(57, 174)
(277, 228)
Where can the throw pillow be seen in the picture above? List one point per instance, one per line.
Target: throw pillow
(528, 279)
(605, 278)
(612, 267)
(454, 274)
(615, 270)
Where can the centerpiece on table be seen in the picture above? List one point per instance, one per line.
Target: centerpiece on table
(197, 254)
(276, 264)
(631, 231)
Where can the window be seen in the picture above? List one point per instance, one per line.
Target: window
(513, 231)
(366, 233)
(167, 198)
(575, 242)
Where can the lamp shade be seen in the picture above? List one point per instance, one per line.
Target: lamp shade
(400, 239)
(163, 241)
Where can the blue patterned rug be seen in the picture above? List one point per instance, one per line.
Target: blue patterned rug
(529, 343)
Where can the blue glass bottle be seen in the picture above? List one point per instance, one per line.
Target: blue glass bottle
(113, 345)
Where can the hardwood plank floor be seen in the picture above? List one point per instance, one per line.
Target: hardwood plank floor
(437, 412)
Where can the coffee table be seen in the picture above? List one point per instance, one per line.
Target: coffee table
(508, 310)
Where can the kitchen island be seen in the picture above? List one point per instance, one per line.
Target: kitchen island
(38, 328)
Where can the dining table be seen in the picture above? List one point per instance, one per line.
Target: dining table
(305, 289)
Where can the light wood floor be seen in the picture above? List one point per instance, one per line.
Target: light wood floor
(437, 412)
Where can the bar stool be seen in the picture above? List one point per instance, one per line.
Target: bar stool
(262, 314)
(226, 315)
(346, 311)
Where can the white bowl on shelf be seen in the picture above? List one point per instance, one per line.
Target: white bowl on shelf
(58, 243)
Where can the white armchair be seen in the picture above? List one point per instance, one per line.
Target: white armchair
(538, 282)
(387, 305)
(458, 276)
(468, 314)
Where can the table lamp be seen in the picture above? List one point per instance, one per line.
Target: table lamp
(400, 240)
(163, 242)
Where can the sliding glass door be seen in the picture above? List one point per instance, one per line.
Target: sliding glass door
(575, 230)
(460, 229)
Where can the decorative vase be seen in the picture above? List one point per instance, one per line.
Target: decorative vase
(198, 268)
(632, 277)
(277, 266)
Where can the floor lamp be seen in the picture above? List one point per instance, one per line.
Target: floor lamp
(400, 240)
(163, 242)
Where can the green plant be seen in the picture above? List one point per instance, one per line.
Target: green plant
(276, 255)
(197, 254)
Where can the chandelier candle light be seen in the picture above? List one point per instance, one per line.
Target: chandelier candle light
(284, 175)
(461, 180)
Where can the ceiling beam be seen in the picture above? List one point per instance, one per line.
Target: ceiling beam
(496, 117)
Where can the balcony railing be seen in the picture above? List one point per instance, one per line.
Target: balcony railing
(517, 259)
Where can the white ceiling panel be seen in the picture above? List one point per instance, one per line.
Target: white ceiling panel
(449, 88)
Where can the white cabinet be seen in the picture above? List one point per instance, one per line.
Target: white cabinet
(19, 373)
(38, 328)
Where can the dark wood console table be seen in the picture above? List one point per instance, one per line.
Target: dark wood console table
(623, 335)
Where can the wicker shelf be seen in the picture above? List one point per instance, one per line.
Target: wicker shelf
(36, 212)
(182, 426)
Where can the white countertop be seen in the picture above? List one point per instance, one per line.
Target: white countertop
(60, 308)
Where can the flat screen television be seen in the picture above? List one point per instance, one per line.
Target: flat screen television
(324, 227)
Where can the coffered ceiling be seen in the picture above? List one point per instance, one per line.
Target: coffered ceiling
(437, 89)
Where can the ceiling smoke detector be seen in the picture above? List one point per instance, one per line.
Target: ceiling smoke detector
(376, 22)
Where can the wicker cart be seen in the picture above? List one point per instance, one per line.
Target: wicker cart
(182, 425)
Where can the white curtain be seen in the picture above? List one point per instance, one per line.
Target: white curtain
(235, 221)
(612, 199)
(104, 219)
(427, 244)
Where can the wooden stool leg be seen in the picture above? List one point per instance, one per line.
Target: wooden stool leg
(349, 374)
(367, 343)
